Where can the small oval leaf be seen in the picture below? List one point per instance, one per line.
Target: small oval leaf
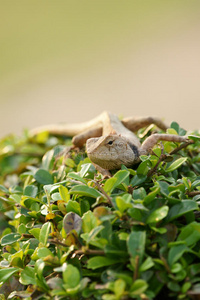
(43, 177)
(176, 164)
(71, 222)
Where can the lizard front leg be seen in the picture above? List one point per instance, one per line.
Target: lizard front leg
(152, 140)
(80, 139)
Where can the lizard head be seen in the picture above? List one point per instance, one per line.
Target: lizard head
(111, 151)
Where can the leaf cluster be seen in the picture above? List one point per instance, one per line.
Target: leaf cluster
(69, 233)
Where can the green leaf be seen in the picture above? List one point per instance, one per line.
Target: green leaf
(44, 252)
(40, 280)
(42, 176)
(178, 129)
(89, 221)
(73, 206)
(173, 286)
(180, 209)
(138, 179)
(122, 205)
(4, 189)
(119, 287)
(147, 264)
(16, 198)
(176, 252)
(190, 234)
(176, 164)
(121, 177)
(109, 184)
(31, 190)
(64, 193)
(160, 230)
(136, 244)
(86, 168)
(85, 190)
(75, 176)
(143, 168)
(5, 274)
(176, 268)
(194, 137)
(21, 294)
(116, 180)
(35, 232)
(56, 196)
(138, 287)
(186, 286)
(139, 194)
(27, 276)
(47, 159)
(71, 276)
(101, 261)
(94, 232)
(44, 233)
(114, 251)
(10, 238)
(175, 126)
(157, 215)
(151, 196)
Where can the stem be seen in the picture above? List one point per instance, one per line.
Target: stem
(103, 192)
(181, 146)
(135, 275)
(79, 251)
(48, 201)
(162, 157)
(192, 194)
(90, 252)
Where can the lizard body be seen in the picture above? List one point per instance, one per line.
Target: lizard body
(111, 142)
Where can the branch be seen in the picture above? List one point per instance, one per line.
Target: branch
(163, 156)
(89, 252)
(184, 145)
(103, 192)
(192, 194)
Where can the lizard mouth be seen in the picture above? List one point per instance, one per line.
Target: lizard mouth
(92, 144)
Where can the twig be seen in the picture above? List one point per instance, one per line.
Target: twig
(165, 264)
(34, 154)
(181, 147)
(103, 192)
(63, 153)
(50, 275)
(135, 275)
(162, 157)
(192, 194)
(27, 236)
(56, 242)
(89, 252)
(79, 251)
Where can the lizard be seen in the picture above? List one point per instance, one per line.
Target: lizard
(111, 142)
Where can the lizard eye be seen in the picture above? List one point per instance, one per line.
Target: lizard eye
(110, 142)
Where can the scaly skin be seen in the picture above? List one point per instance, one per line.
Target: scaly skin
(111, 142)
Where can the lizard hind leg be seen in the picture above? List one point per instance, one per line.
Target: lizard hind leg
(134, 124)
(154, 138)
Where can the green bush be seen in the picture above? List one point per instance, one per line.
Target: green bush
(69, 233)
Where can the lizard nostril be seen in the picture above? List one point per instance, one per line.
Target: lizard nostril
(110, 142)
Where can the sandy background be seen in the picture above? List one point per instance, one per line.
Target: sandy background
(67, 61)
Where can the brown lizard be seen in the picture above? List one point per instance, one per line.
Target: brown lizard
(111, 142)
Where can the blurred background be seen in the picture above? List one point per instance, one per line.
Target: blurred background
(67, 61)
